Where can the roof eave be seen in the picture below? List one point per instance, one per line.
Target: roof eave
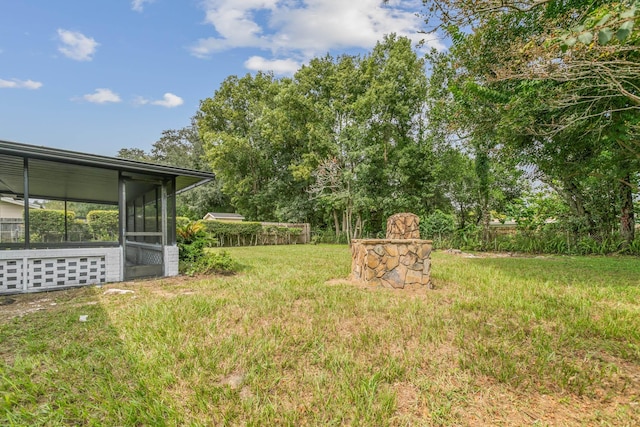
(105, 162)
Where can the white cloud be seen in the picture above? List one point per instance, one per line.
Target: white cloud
(278, 66)
(102, 96)
(140, 101)
(169, 100)
(138, 5)
(302, 29)
(20, 84)
(76, 45)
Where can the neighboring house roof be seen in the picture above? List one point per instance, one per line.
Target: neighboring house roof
(11, 201)
(224, 216)
(70, 175)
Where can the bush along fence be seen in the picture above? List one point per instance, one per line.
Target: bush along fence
(561, 237)
(257, 233)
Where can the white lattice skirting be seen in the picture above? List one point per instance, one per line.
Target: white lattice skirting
(47, 269)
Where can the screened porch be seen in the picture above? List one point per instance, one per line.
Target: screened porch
(87, 219)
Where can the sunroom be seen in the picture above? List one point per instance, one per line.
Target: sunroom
(87, 219)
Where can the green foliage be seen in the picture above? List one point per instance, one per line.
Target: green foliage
(191, 239)
(558, 238)
(282, 230)
(342, 144)
(543, 225)
(103, 224)
(437, 224)
(81, 209)
(181, 221)
(78, 231)
(328, 236)
(613, 22)
(232, 233)
(348, 141)
(184, 148)
(210, 263)
(229, 228)
(543, 107)
(48, 225)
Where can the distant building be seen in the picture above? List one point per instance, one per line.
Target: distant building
(12, 219)
(220, 216)
(11, 208)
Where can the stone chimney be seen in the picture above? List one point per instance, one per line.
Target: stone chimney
(403, 226)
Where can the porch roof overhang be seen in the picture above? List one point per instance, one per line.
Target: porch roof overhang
(70, 175)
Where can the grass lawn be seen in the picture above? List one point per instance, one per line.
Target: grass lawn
(499, 341)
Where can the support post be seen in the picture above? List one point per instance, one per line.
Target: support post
(164, 227)
(27, 231)
(66, 226)
(163, 208)
(122, 222)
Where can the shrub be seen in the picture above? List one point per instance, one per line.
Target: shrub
(181, 221)
(437, 225)
(191, 239)
(47, 225)
(103, 224)
(240, 233)
(210, 263)
(328, 236)
(78, 231)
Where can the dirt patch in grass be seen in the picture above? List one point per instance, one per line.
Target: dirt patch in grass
(19, 305)
(13, 306)
(497, 404)
(490, 254)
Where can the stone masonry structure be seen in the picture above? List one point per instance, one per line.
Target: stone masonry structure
(403, 226)
(400, 261)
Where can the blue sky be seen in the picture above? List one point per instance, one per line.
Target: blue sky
(100, 75)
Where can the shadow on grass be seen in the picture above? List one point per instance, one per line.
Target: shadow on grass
(58, 370)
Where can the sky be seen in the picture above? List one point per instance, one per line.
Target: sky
(99, 75)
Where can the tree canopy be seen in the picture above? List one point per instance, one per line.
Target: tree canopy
(553, 85)
(535, 103)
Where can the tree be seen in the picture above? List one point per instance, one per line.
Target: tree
(556, 97)
(134, 154)
(184, 148)
(343, 142)
(392, 111)
(465, 112)
(233, 126)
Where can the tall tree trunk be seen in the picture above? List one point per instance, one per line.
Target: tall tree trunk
(627, 217)
(357, 229)
(482, 172)
(572, 194)
(336, 222)
(486, 220)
